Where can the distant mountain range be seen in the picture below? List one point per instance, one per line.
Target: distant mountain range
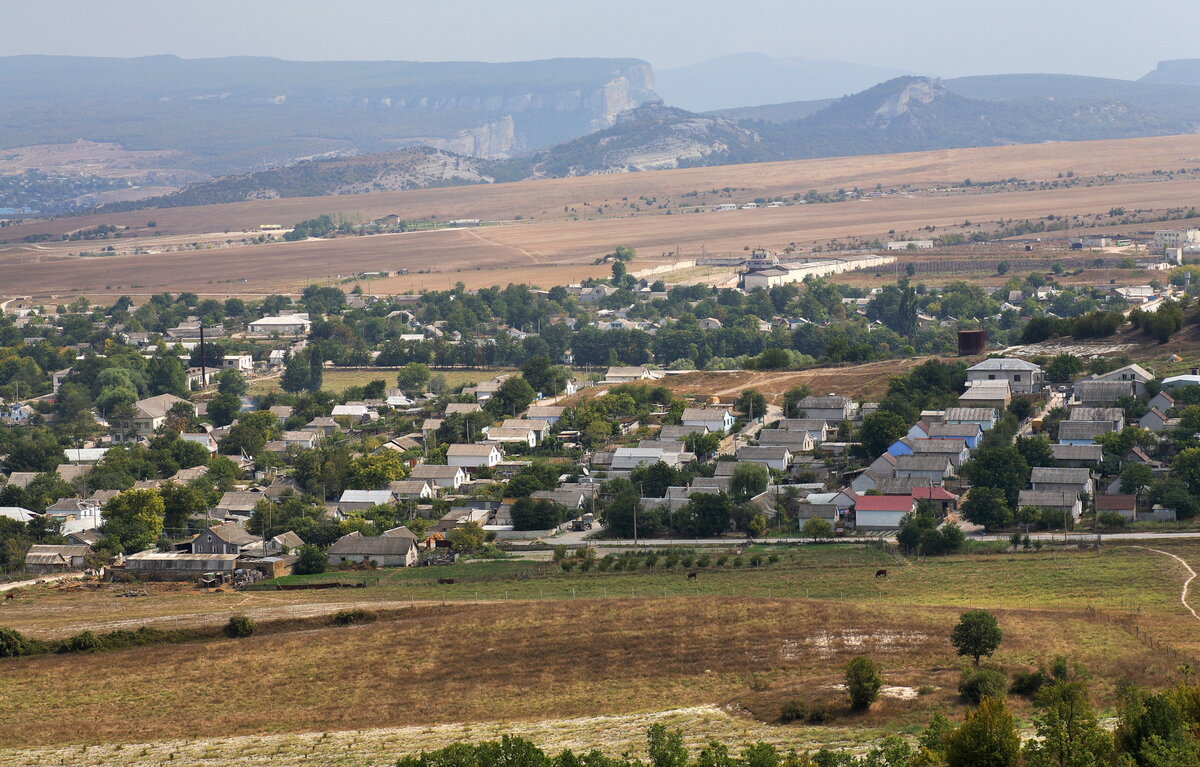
(233, 115)
(577, 117)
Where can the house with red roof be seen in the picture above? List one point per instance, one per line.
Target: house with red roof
(882, 512)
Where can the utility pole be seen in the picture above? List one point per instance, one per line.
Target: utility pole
(203, 362)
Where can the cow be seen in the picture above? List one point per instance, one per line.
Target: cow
(449, 581)
(9, 595)
(881, 573)
(692, 575)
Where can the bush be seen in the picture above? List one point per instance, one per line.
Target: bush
(84, 641)
(721, 560)
(239, 627)
(737, 561)
(976, 684)
(802, 711)
(567, 565)
(756, 560)
(1028, 683)
(703, 561)
(13, 644)
(351, 617)
(1110, 519)
(863, 682)
(310, 560)
(773, 558)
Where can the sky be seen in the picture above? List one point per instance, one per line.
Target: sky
(948, 38)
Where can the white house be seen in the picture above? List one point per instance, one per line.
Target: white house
(629, 458)
(239, 362)
(360, 500)
(1137, 375)
(717, 420)
(524, 435)
(284, 325)
(1023, 377)
(473, 456)
(773, 457)
(440, 477)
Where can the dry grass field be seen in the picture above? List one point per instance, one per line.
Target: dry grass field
(569, 658)
(551, 247)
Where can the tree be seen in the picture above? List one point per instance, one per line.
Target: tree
(223, 408)
(1186, 466)
(310, 560)
(1035, 450)
(375, 471)
(1063, 367)
(748, 480)
(863, 682)
(302, 371)
(1069, 735)
(977, 634)
(706, 514)
(1136, 479)
(987, 506)
(413, 377)
(514, 395)
(231, 382)
(180, 502)
(166, 375)
(702, 444)
(1001, 467)
(544, 376)
(468, 538)
(133, 520)
(791, 400)
(817, 528)
(987, 738)
(752, 403)
(537, 514)
(880, 430)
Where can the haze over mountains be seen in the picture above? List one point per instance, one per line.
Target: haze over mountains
(276, 128)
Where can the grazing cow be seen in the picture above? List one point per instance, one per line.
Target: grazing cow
(446, 580)
(692, 575)
(881, 573)
(9, 595)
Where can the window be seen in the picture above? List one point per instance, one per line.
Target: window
(1017, 377)
(991, 376)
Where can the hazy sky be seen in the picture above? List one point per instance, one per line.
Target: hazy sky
(1114, 38)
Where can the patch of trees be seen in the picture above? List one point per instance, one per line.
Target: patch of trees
(1096, 324)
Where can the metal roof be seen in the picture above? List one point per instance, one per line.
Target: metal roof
(1003, 364)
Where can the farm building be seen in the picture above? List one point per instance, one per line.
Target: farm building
(882, 512)
(177, 565)
(44, 558)
(383, 550)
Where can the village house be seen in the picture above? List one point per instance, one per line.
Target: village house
(773, 457)
(381, 550)
(629, 458)
(539, 426)
(984, 417)
(986, 394)
(1101, 393)
(968, 432)
(832, 408)
(361, 500)
(1155, 420)
(1136, 375)
(440, 477)
(881, 512)
(52, 558)
(235, 504)
(514, 434)
(1077, 456)
(1022, 377)
(148, 415)
(954, 449)
(1125, 505)
(462, 408)
(932, 466)
(620, 375)
(817, 428)
(1052, 479)
(549, 413)
(1058, 502)
(284, 325)
(1115, 415)
(226, 538)
(1163, 401)
(473, 456)
(796, 441)
(1082, 432)
(716, 420)
(411, 489)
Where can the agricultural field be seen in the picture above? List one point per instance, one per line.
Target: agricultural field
(519, 645)
(548, 245)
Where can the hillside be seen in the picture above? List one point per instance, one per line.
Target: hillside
(418, 167)
(233, 115)
(1179, 71)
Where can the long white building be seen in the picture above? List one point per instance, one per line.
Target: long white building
(784, 273)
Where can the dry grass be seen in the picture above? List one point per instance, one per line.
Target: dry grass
(524, 661)
(857, 381)
(552, 241)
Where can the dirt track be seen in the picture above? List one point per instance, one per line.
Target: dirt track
(858, 381)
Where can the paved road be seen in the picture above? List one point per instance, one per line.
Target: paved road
(577, 539)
